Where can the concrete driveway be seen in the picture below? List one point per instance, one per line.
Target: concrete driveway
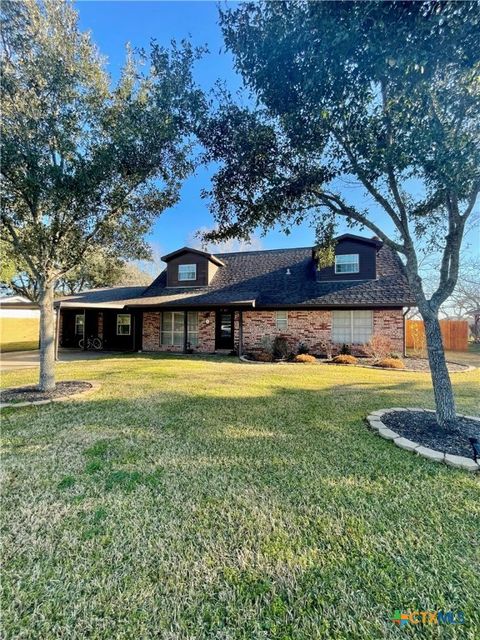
(25, 359)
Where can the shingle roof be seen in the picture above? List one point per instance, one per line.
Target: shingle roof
(259, 278)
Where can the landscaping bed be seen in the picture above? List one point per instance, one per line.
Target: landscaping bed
(32, 393)
(421, 364)
(410, 364)
(422, 427)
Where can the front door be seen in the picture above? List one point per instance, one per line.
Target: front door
(224, 330)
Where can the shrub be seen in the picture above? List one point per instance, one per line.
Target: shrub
(378, 347)
(326, 347)
(302, 349)
(391, 363)
(280, 348)
(266, 344)
(305, 357)
(345, 359)
(395, 356)
(345, 350)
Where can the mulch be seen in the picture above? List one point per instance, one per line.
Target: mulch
(421, 364)
(422, 427)
(32, 393)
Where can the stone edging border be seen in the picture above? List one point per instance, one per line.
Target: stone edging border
(468, 367)
(374, 419)
(35, 403)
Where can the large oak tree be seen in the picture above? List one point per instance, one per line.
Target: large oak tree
(385, 95)
(86, 164)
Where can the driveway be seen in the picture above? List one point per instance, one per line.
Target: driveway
(25, 359)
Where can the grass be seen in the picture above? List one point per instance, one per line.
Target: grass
(18, 334)
(196, 498)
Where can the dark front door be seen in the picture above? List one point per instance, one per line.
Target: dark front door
(224, 330)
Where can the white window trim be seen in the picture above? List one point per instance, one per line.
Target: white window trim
(80, 315)
(189, 330)
(352, 311)
(129, 315)
(192, 267)
(348, 255)
(279, 320)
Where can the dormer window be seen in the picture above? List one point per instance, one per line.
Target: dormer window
(187, 272)
(348, 263)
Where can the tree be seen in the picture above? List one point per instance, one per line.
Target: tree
(384, 94)
(465, 298)
(86, 165)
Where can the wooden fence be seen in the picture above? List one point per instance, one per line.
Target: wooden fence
(454, 334)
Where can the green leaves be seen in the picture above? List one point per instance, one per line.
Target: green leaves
(385, 94)
(85, 165)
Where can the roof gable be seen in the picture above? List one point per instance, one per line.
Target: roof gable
(183, 250)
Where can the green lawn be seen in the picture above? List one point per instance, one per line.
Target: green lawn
(198, 498)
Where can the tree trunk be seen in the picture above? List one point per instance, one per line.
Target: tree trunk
(442, 386)
(47, 339)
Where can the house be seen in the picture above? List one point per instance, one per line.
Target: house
(204, 302)
(19, 323)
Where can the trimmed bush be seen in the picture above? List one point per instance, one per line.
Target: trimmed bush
(379, 347)
(345, 350)
(305, 357)
(391, 363)
(280, 348)
(302, 349)
(345, 359)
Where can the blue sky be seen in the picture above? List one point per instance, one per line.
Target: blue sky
(115, 23)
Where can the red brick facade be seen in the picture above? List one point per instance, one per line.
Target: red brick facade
(312, 328)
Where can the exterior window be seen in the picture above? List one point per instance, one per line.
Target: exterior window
(347, 264)
(124, 324)
(79, 324)
(352, 327)
(187, 271)
(192, 320)
(282, 319)
(172, 328)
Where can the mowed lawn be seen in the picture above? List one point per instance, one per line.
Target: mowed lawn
(205, 498)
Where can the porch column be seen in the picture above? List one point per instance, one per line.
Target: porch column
(185, 331)
(240, 333)
(57, 330)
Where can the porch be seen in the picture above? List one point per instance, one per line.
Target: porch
(100, 329)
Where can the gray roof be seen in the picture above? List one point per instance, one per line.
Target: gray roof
(259, 279)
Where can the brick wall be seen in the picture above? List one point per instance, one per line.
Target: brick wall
(308, 327)
(313, 327)
(389, 322)
(151, 333)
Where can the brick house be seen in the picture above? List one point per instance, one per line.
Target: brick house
(229, 302)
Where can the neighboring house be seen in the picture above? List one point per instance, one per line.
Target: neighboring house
(19, 323)
(232, 301)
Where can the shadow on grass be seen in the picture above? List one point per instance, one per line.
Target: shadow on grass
(271, 440)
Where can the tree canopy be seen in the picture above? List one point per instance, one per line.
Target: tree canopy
(382, 95)
(87, 164)
(386, 94)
